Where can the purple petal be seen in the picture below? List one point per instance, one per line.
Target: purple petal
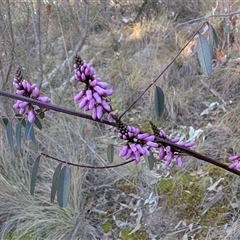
(140, 149)
(147, 153)
(79, 96)
(20, 92)
(44, 99)
(189, 144)
(110, 117)
(33, 86)
(152, 144)
(123, 151)
(97, 97)
(22, 111)
(23, 104)
(133, 147)
(99, 90)
(36, 92)
(93, 83)
(137, 157)
(233, 165)
(91, 71)
(83, 77)
(103, 85)
(99, 111)
(149, 138)
(83, 103)
(161, 153)
(31, 116)
(233, 158)
(129, 153)
(106, 105)
(142, 136)
(92, 103)
(179, 161)
(108, 92)
(175, 140)
(89, 94)
(94, 113)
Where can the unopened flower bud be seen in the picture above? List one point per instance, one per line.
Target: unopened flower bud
(31, 116)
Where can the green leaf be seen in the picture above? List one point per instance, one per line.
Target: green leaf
(110, 153)
(150, 160)
(55, 181)
(42, 115)
(159, 101)
(34, 174)
(213, 39)
(38, 123)
(18, 135)
(9, 136)
(28, 130)
(204, 55)
(227, 29)
(32, 137)
(63, 188)
(4, 121)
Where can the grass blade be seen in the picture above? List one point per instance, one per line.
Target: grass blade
(204, 55)
(9, 136)
(34, 174)
(55, 182)
(110, 153)
(63, 189)
(159, 101)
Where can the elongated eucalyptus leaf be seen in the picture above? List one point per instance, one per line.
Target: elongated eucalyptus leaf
(150, 161)
(63, 188)
(32, 137)
(159, 101)
(34, 175)
(213, 39)
(10, 136)
(55, 181)
(38, 123)
(4, 121)
(18, 136)
(204, 55)
(42, 115)
(28, 130)
(110, 153)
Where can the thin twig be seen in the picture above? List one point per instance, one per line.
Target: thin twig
(163, 71)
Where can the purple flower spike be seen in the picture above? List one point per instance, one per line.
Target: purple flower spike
(96, 91)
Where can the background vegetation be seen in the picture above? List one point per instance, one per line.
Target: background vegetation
(128, 43)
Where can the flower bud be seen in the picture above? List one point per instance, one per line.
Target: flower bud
(133, 147)
(44, 99)
(179, 161)
(20, 92)
(79, 96)
(123, 151)
(142, 136)
(93, 83)
(129, 153)
(105, 105)
(149, 138)
(99, 111)
(137, 157)
(92, 103)
(161, 153)
(140, 149)
(36, 92)
(103, 85)
(83, 77)
(108, 92)
(31, 116)
(189, 144)
(234, 158)
(97, 97)
(94, 113)
(89, 94)
(175, 140)
(99, 90)
(83, 103)
(152, 144)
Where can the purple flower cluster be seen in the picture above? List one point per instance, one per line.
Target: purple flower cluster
(24, 88)
(168, 153)
(235, 161)
(95, 95)
(138, 143)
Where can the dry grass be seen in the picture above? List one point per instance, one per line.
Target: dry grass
(129, 57)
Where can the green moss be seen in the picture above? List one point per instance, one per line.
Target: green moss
(107, 226)
(139, 235)
(186, 193)
(127, 186)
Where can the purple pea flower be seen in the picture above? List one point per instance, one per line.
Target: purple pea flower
(24, 88)
(95, 96)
